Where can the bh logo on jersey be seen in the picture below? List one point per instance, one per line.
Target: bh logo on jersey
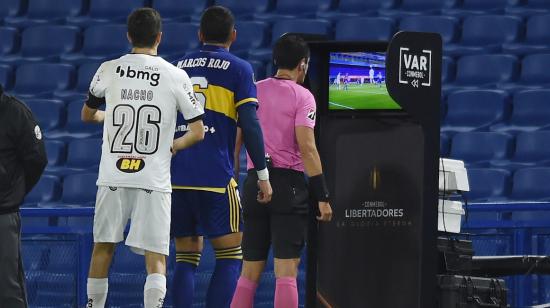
(415, 67)
(130, 165)
(128, 72)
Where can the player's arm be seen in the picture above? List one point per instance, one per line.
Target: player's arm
(96, 98)
(194, 135)
(236, 160)
(192, 112)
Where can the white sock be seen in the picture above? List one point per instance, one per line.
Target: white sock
(154, 291)
(97, 292)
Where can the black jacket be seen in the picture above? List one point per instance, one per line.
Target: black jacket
(22, 154)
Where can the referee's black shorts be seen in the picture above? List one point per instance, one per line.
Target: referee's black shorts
(282, 222)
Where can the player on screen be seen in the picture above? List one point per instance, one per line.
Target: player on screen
(205, 198)
(338, 80)
(379, 79)
(346, 81)
(371, 75)
(142, 93)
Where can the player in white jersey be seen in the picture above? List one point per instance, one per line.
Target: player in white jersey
(142, 93)
(338, 80)
(371, 75)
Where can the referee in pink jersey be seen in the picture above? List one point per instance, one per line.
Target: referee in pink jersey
(287, 115)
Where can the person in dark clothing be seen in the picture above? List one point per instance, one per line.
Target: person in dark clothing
(22, 161)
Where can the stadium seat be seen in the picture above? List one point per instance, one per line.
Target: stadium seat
(48, 189)
(488, 184)
(531, 184)
(250, 35)
(536, 37)
(86, 72)
(178, 38)
(535, 70)
(56, 152)
(37, 44)
(258, 68)
(444, 145)
(30, 81)
(356, 8)
(469, 7)
(533, 147)
(46, 12)
(446, 26)
(380, 29)
(10, 8)
(84, 154)
(529, 8)
(49, 113)
(319, 27)
(74, 127)
(101, 43)
(470, 110)
(531, 111)
(175, 10)
(483, 71)
(479, 35)
(415, 7)
(245, 9)
(478, 149)
(287, 9)
(79, 189)
(6, 76)
(9, 41)
(448, 70)
(103, 11)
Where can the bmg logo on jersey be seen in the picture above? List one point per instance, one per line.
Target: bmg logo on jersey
(128, 72)
(415, 67)
(130, 165)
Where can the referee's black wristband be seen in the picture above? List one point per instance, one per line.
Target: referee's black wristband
(319, 187)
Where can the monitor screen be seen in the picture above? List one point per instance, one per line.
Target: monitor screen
(357, 81)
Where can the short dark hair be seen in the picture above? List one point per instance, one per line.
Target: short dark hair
(144, 24)
(217, 23)
(289, 50)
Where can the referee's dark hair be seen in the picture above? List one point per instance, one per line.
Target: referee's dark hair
(144, 25)
(289, 50)
(217, 24)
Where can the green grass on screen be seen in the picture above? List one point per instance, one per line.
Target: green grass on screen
(366, 96)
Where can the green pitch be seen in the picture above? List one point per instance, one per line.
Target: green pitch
(366, 96)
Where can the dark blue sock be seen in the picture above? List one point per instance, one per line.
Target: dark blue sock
(183, 285)
(224, 280)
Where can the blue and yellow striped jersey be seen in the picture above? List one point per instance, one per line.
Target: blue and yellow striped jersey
(222, 82)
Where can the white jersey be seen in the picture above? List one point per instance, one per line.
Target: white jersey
(142, 94)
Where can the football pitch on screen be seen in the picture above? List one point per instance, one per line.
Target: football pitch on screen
(356, 97)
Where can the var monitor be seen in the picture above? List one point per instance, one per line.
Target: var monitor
(357, 81)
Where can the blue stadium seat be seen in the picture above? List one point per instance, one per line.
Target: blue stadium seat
(321, 27)
(482, 71)
(56, 152)
(84, 154)
(47, 189)
(478, 149)
(535, 70)
(30, 81)
(178, 38)
(9, 8)
(479, 35)
(6, 76)
(258, 68)
(102, 11)
(356, 8)
(470, 110)
(86, 72)
(46, 12)
(37, 44)
(9, 41)
(470, 7)
(488, 184)
(444, 145)
(79, 189)
(175, 10)
(533, 147)
(531, 184)
(101, 42)
(74, 127)
(48, 113)
(529, 8)
(446, 26)
(531, 111)
(380, 29)
(286, 9)
(536, 37)
(250, 35)
(245, 9)
(415, 7)
(448, 70)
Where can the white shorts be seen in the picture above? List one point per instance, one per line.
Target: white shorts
(149, 212)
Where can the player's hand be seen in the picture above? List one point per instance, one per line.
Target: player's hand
(325, 210)
(265, 192)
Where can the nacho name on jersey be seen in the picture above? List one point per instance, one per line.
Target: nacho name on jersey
(204, 62)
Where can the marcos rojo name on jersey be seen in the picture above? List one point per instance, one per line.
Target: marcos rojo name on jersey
(130, 165)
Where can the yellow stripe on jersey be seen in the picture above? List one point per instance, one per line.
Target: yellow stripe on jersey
(211, 189)
(219, 99)
(246, 100)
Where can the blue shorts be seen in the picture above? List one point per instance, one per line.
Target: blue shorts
(206, 213)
